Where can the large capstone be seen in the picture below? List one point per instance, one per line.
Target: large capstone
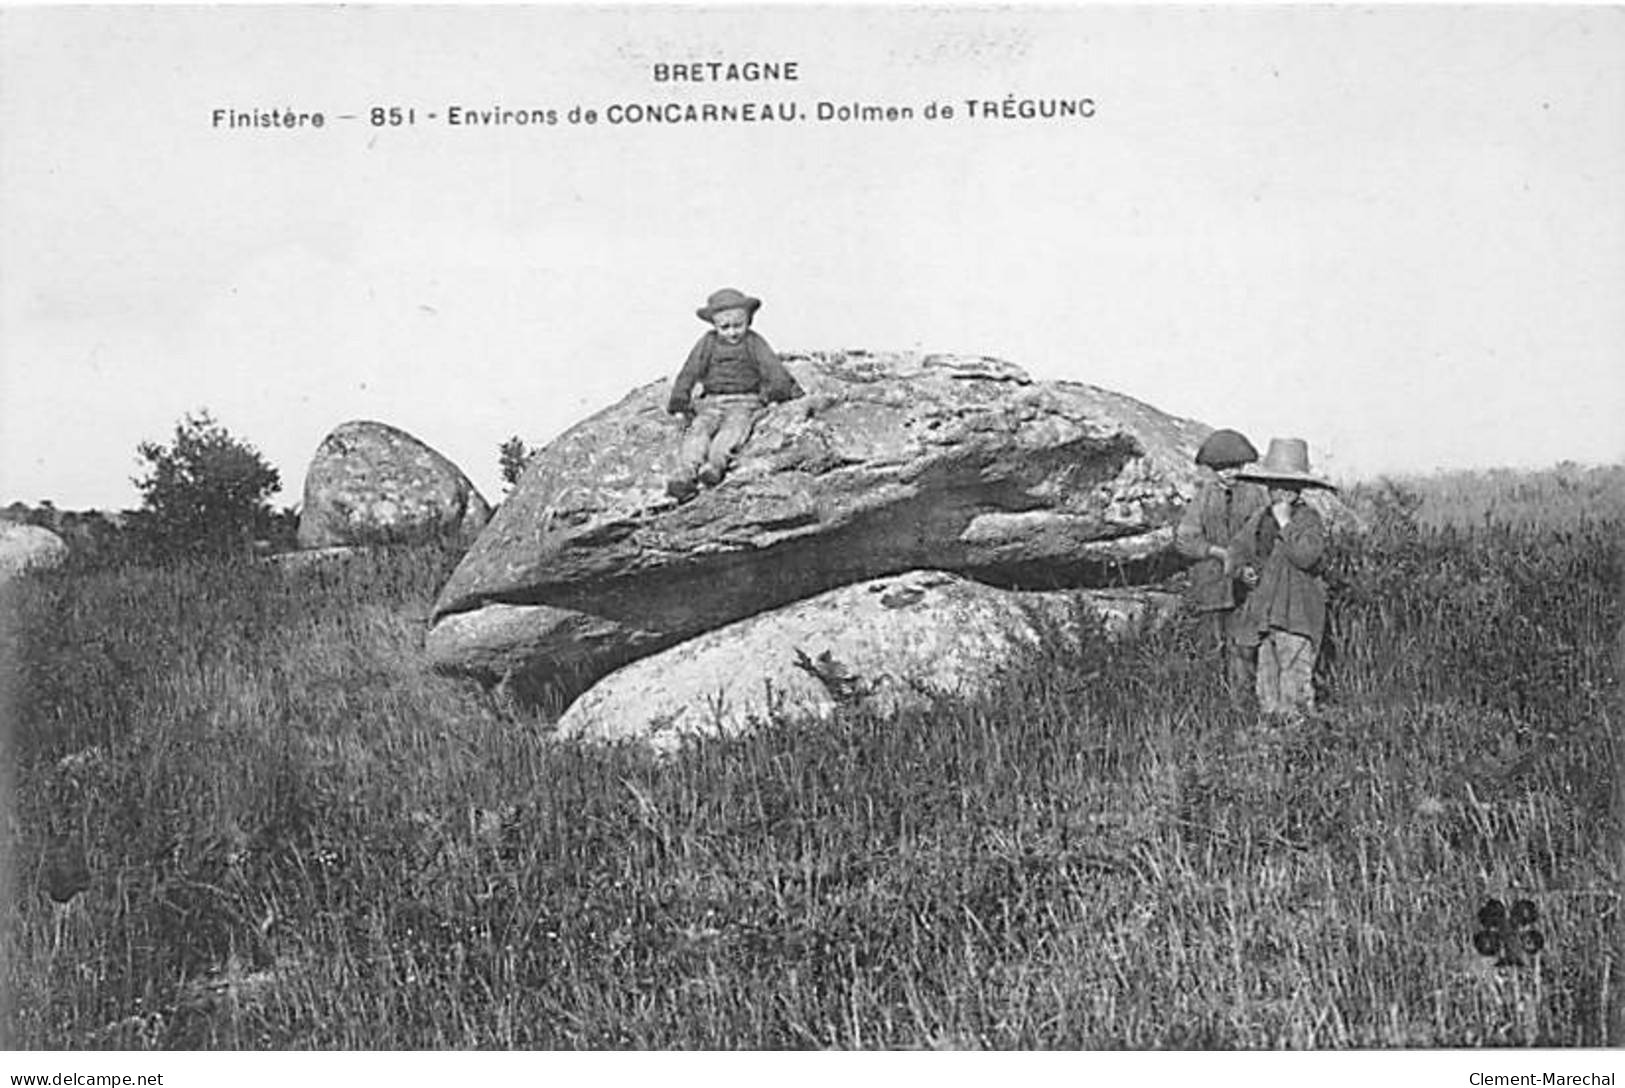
(891, 462)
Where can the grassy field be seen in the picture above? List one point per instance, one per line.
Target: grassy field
(1559, 497)
(298, 837)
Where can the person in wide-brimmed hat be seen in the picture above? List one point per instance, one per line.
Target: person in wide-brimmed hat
(1221, 507)
(1279, 552)
(1286, 462)
(738, 373)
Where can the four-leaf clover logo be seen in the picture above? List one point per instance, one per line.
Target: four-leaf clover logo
(1508, 935)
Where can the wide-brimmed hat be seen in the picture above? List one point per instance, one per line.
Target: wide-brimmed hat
(727, 299)
(1225, 448)
(1285, 462)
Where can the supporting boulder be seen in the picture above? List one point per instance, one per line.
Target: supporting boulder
(886, 645)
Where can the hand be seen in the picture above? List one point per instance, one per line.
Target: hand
(1227, 558)
(1249, 576)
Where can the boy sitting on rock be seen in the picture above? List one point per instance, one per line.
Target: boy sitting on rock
(1278, 552)
(738, 373)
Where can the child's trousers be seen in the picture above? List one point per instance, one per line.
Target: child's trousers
(1222, 630)
(721, 424)
(1286, 667)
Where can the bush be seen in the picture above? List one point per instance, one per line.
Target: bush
(206, 493)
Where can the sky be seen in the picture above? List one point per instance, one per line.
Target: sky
(1396, 232)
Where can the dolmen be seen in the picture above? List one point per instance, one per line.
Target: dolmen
(959, 474)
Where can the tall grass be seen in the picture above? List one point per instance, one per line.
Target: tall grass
(299, 837)
(1558, 497)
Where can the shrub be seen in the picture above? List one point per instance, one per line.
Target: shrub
(513, 456)
(205, 493)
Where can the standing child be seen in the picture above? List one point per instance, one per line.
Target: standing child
(1221, 507)
(738, 373)
(1279, 552)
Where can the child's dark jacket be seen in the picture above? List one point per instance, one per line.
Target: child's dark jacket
(1215, 516)
(749, 366)
(1290, 595)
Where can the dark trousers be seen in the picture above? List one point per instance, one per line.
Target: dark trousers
(1222, 631)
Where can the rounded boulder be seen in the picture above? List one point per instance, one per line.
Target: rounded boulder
(370, 483)
(29, 547)
(882, 646)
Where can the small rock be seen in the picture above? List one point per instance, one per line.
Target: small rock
(29, 547)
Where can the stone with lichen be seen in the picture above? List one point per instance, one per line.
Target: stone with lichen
(29, 547)
(891, 462)
(883, 646)
(370, 483)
